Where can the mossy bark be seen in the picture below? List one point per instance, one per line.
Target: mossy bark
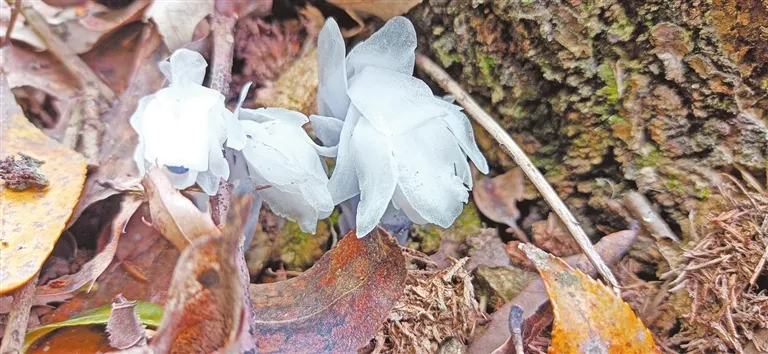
(607, 96)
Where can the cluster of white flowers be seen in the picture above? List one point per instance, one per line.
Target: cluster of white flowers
(397, 146)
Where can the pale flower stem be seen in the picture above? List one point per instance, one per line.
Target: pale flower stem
(223, 29)
(518, 155)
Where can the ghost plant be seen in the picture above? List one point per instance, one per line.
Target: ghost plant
(399, 146)
(400, 151)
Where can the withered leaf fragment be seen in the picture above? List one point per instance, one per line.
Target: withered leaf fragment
(337, 305)
(124, 327)
(589, 317)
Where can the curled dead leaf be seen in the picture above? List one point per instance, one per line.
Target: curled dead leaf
(175, 216)
(497, 198)
(124, 326)
(383, 9)
(64, 286)
(338, 304)
(589, 317)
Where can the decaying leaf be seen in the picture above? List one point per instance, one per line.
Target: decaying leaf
(206, 308)
(149, 315)
(151, 258)
(384, 9)
(124, 326)
(337, 305)
(116, 163)
(32, 220)
(537, 313)
(175, 216)
(176, 20)
(589, 317)
(62, 287)
(38, 70)
(497, 197)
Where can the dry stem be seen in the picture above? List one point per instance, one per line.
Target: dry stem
(14, 17)
(13, 338)
(518, 155)
(70, 59)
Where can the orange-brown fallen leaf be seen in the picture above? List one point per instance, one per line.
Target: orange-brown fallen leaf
(32, 220)
(206, 309)
(589, 317)
(61, 287)
(73, 340)
(175, 216)
(338, 304)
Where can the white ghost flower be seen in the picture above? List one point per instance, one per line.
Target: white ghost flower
(283, 158)
(183, 126)
(397, 143)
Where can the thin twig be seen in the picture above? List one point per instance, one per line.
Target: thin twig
(518, 155)
(16, 329)
(15, 10)
(80, 70)
(640, 207)
(223, 30)
(759, 267)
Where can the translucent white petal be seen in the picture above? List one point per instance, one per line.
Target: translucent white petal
(183, 180)
(235, 134)
(427, 173)
(399, 201)
(238, 166)
(332, 98)
(137, 117)
(187, 68)
(376, 173)
(327, 129)
(177, 131)
(392, 47)
(282, 115)
(208, 182)
(292, 206)
(394, 103)
(461, 128)
(344, 184)
(217, 163)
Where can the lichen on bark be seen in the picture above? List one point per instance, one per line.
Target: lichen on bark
(657, 96)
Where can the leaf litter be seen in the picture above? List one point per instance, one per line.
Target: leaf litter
(375, 302)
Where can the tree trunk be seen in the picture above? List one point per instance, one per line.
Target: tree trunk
(609, 96)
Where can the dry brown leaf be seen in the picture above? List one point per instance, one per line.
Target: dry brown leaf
(64, 286)
(589, 317)
(116, 163)
(497, 197)
(176, 20)
(206, 309)
(32, 220)
(124, 327)
(175, 216)
(337, 305)
(384, 9)
(552, 236)
(39, 70)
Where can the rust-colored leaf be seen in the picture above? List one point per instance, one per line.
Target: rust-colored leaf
(73, 340)
(338, 304)
(63, 286)
(589, 317)
(175, 216)
(384, 9)
(206, 309)
(32, 220)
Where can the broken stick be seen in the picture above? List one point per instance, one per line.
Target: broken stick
(518, 155)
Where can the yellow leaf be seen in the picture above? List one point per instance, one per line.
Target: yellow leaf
(32, 220)
(589, 317)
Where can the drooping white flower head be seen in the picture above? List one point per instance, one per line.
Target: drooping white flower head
(183, 127)
(397, 142)
(283, 158)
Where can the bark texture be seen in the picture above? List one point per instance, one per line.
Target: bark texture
(608, 96)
